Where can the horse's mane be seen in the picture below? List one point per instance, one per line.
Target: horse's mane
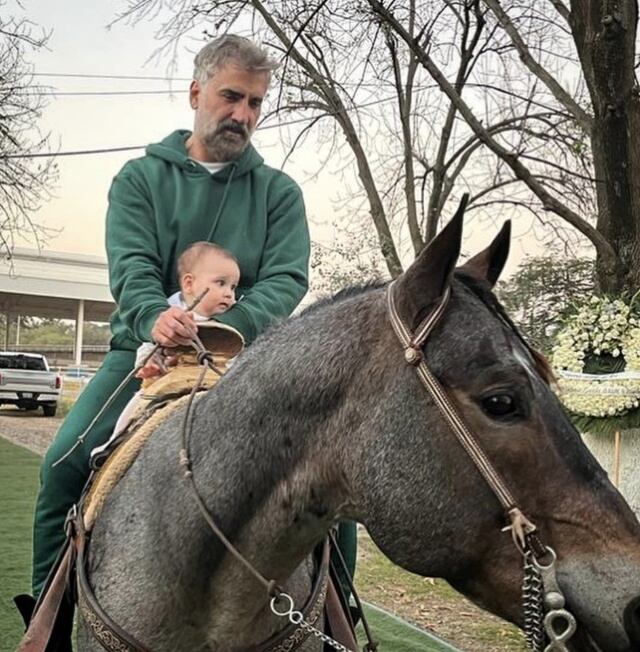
(343, 294)
(478, 287)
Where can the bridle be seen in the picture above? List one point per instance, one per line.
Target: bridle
(541, 591)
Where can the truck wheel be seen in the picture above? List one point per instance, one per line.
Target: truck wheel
(49, 410)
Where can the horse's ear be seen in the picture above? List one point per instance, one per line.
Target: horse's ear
(488, 264)
(430, 274)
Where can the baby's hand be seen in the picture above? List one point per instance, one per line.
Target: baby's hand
(150, 370)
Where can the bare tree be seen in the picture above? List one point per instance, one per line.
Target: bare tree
(389, 79)
(602, 36)
(24, 182)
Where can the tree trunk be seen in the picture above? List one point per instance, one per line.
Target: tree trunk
(604, 32)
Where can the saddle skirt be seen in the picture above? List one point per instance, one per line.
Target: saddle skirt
(159, 400)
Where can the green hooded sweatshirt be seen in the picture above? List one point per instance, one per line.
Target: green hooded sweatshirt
(164, 201)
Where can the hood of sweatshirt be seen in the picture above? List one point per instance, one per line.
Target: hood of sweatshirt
(172, 149)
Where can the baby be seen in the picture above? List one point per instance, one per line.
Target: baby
(201, 265)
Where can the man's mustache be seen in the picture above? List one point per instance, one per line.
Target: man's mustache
(235, 127)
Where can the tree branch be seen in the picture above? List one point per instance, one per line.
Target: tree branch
(332, 98)
(549, 202)
(582, 117)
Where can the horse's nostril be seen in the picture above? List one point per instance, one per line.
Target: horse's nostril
(632, 622)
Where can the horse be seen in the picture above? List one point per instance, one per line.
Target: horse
(322, 419)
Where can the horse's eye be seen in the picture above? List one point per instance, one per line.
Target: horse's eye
(499, 405)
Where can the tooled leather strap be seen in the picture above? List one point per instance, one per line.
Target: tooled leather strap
(521, 527)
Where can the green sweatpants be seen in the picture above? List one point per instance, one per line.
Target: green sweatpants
(61, 486)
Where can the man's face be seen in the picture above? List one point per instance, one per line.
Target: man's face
(227, 109)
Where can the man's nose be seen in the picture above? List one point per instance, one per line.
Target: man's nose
(242, 113)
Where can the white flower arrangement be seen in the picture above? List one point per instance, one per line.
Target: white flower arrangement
(602, 327)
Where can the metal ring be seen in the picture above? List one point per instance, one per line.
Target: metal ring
(539, 565)
(276, 599)
(295, 617)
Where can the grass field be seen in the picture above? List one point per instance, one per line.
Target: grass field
(18, 486)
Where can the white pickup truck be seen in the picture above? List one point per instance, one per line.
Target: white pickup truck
(26, 381)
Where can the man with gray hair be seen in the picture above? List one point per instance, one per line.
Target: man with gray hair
(211, 185)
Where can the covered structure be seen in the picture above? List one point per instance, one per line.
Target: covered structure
(55, 285)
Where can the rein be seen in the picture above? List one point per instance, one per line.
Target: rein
(540, 587)
(281, 603)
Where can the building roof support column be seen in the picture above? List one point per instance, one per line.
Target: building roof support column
(79, 332)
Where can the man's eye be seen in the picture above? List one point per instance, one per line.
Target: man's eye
(499, 405)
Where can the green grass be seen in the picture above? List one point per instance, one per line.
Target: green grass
(18, 487)
(395, 635)
(431, 604)
(64, 406)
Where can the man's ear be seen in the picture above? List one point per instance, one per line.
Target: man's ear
(194, 93)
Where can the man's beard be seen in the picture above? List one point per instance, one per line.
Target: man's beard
(222, 142)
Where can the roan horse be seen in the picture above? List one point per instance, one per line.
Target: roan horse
(322, 419)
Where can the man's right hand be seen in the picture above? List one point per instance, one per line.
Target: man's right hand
(174, 327)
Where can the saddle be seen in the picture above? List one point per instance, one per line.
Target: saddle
(160, 398)
(68, 583)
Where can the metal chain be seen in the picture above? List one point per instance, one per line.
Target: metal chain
(532, 601)
(557, 625)
(296, 618)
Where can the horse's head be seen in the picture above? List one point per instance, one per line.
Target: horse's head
(450, 524)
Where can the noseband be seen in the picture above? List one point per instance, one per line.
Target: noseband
(540, 588)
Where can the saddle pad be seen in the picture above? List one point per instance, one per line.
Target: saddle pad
(121, 459)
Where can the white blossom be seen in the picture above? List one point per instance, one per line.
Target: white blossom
(600, 327)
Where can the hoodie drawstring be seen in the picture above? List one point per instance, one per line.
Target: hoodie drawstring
(222, 202)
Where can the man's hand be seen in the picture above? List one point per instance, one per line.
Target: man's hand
(174, 327)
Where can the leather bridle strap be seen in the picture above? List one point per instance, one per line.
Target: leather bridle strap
(521, 527)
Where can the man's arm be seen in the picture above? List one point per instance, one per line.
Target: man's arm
(135, 267)
(283, 276)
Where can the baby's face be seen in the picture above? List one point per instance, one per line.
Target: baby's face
(218, 273)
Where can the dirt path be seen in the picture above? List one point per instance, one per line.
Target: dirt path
(28, 429)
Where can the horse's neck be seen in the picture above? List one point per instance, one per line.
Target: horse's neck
(276, 471)
(293, 514)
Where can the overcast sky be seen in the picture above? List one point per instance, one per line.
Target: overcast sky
(82, 44)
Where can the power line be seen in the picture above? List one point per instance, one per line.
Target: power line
(68, 93)
(78, 152)
(125, 149)
(88, 76)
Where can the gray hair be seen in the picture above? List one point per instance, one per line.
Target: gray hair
(231, 47)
